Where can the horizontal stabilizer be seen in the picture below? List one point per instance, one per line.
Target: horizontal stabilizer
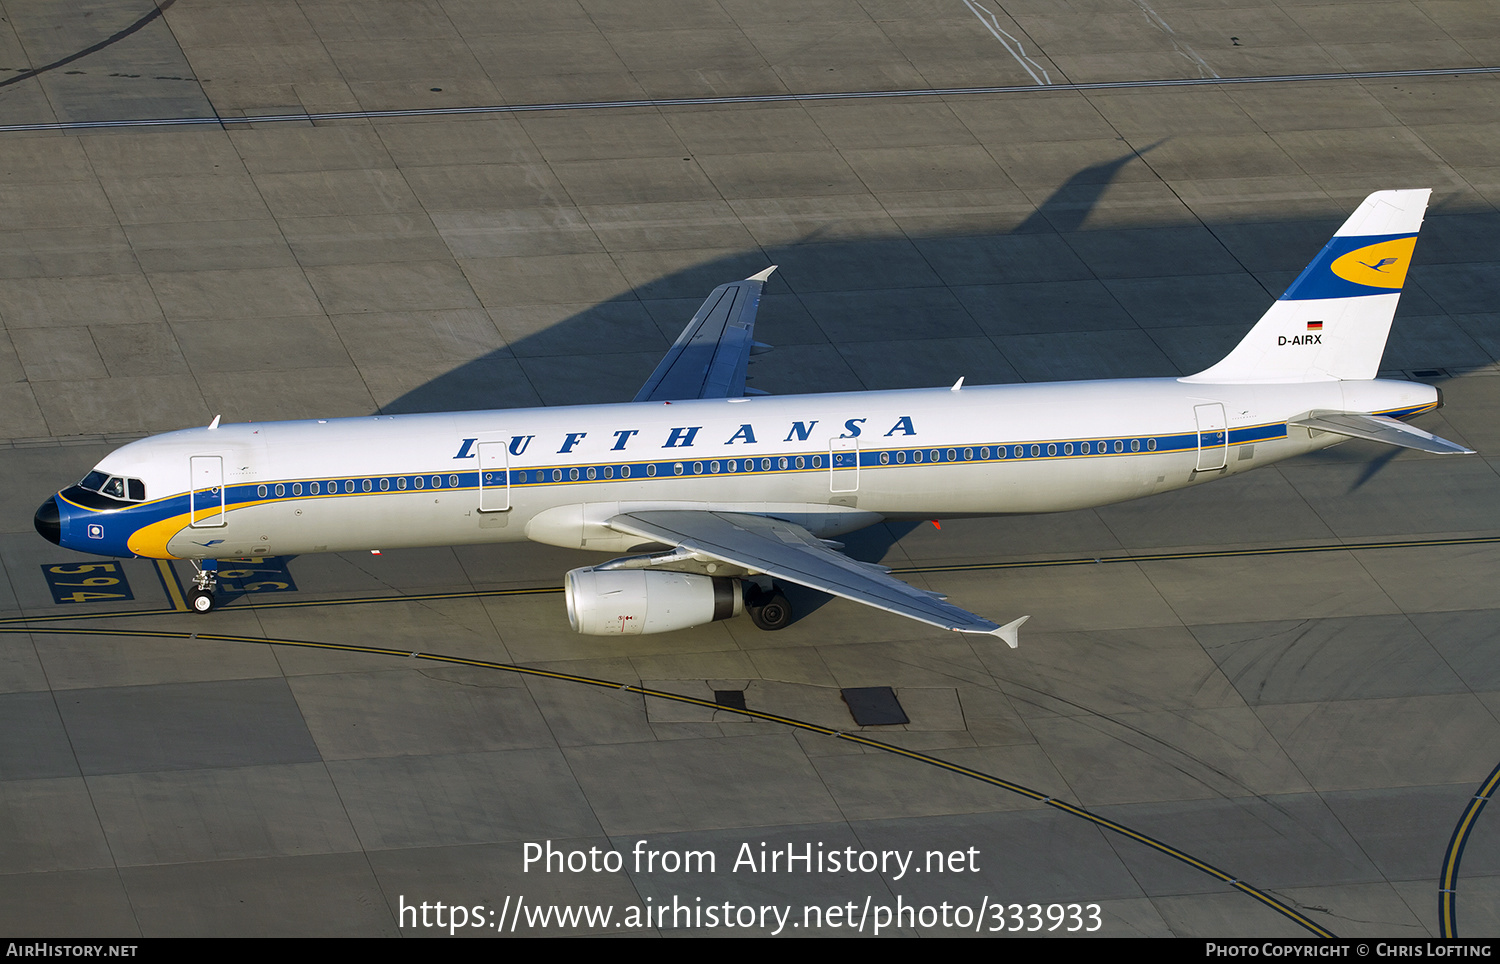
(1380, 428)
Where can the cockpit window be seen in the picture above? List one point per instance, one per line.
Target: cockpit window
(126, 490)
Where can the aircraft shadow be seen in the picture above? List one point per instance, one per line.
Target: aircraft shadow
(671, 301)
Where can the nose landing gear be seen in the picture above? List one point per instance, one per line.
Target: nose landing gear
(201, 596)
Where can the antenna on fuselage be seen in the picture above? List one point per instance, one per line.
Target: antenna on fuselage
(958, 384)
(214, 424)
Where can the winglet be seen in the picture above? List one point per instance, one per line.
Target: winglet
(764, 275)
(1011, 632)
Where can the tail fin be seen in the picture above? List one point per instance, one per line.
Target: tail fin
(1333, 321)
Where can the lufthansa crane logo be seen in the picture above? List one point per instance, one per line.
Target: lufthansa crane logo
(1379, 265)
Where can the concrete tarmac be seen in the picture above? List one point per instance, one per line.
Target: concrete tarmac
(1312, 724)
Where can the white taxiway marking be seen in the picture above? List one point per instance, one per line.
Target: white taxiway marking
(1155, 18)
(992, 24)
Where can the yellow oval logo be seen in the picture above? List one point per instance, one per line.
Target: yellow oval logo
(1380, 265)
(150, 541)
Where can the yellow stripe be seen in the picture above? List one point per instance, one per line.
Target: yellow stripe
(169, 580)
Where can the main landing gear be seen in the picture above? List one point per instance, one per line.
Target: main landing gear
(201, 596)
(768, 608)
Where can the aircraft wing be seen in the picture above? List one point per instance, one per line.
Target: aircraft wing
(709, 358)
(791, 553)
(1381, 428)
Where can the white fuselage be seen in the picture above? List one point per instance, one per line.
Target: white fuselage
(831, 463)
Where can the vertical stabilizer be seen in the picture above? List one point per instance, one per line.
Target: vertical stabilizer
(1333, 321)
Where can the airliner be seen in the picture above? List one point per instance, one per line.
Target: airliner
(715, 496)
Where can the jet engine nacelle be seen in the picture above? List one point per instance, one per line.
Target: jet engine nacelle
(631, 602)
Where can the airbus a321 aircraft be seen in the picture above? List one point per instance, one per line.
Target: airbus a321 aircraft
(716, 497)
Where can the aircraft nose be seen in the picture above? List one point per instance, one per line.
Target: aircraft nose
(49, 522)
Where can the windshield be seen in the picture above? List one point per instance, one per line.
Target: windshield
(93, 481)
(126, 490)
